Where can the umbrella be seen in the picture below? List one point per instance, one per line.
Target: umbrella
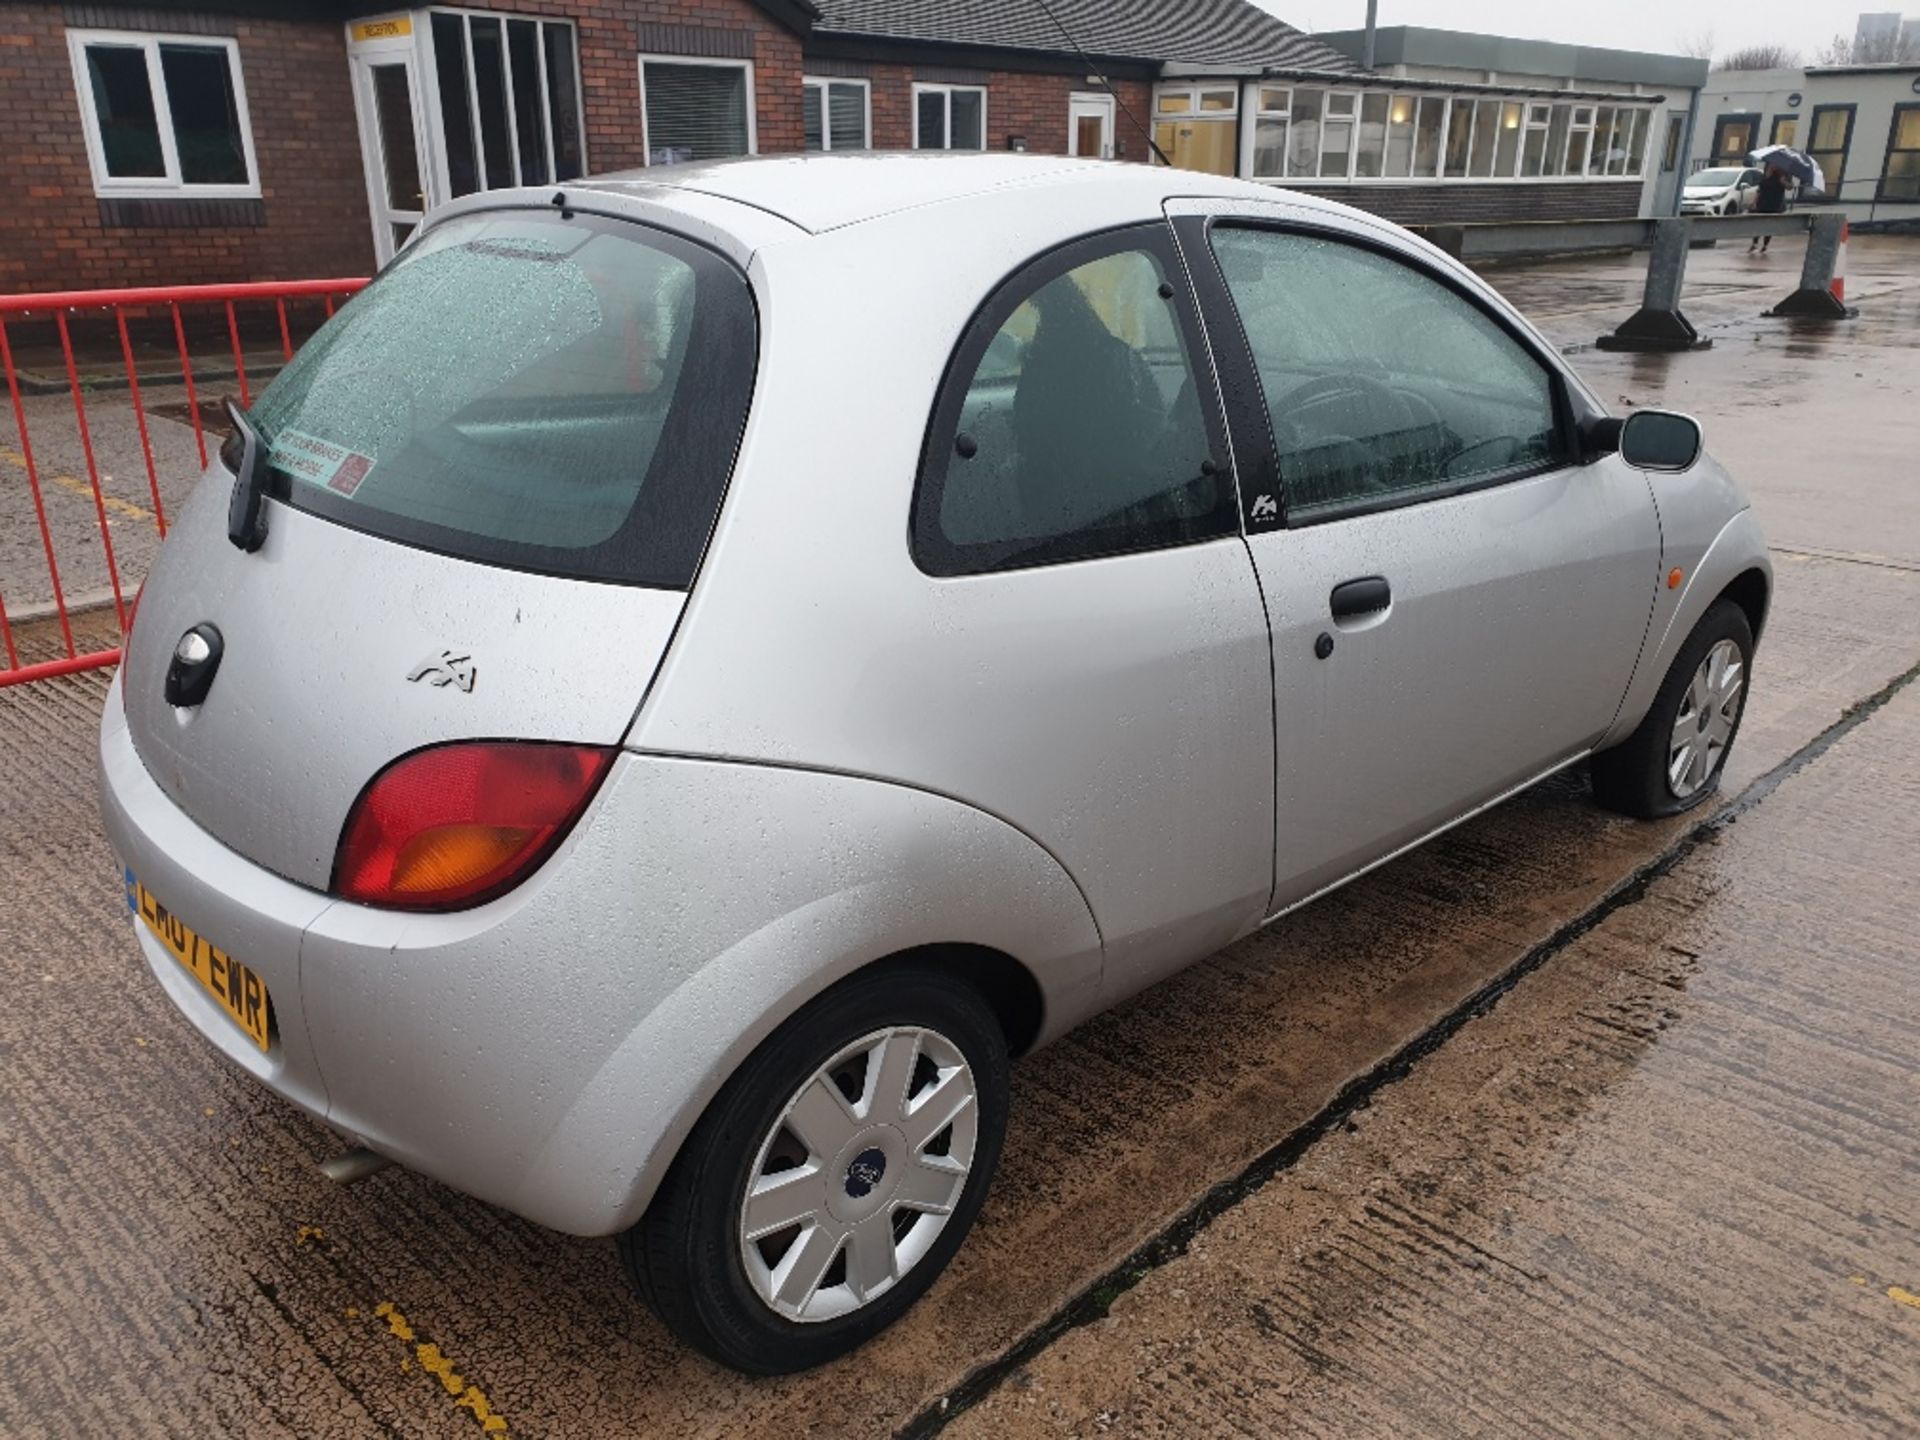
(1794, 164)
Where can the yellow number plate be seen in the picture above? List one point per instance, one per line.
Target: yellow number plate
(241, 993)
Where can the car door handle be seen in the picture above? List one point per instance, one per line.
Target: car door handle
(1360, 597)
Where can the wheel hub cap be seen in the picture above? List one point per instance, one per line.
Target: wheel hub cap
(1709, 713)
(859, 1175)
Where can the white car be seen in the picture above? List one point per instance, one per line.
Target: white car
(1725, 190)
(689, 672)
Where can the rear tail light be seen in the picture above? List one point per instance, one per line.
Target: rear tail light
(455, 825)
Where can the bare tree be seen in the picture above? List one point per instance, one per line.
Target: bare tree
(1760, 57)
(1883, 49)
(1699, 45)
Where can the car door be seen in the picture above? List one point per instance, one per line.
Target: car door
(1456, 604)
(1076, 506)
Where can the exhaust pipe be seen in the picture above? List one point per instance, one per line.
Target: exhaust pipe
(355, 1164)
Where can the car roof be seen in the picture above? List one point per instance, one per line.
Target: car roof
(819, 192)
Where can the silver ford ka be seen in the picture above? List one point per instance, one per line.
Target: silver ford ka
(686, 675)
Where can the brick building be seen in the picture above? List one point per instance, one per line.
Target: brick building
(226, 139)
(185, 141)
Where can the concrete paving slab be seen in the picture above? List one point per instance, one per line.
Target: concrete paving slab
(149, 1234)
(1665, 1187)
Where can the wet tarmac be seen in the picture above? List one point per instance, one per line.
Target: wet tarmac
(1681, 1150)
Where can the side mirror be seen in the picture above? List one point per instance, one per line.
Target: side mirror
(1660, 440)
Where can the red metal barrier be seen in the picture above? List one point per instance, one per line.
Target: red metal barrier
(159, 308)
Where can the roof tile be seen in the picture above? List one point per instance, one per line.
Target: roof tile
(1192, 32)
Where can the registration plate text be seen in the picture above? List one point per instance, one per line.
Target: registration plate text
(241, 993)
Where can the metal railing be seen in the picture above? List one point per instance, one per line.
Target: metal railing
(77, 333)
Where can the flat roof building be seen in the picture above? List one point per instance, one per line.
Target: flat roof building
(1447, 126)
(1861, 122)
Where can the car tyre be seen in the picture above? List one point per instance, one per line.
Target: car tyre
(734, 1297)
(1701, 703)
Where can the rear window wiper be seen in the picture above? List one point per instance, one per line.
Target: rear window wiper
(246, 510)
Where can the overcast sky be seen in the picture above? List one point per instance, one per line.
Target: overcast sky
(1661, 25)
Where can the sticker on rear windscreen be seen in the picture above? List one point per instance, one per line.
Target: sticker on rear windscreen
(320, 462)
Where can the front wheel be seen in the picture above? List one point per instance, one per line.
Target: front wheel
(833, 1177)
(1672, 762)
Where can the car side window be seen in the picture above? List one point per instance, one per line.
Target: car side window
(1072, 422)
(1383, 385)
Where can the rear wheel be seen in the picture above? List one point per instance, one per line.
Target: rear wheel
(833, 1178)
(1672, 762)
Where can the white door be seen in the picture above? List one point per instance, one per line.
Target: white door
(1090, 126)
(386, 91)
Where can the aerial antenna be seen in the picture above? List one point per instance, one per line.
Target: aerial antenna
(1105, 84)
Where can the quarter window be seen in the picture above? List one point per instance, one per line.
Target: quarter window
(1073, 424)
(949, 117)
(163, 114)
(835, 114)
(697, 109)
(1382, 384)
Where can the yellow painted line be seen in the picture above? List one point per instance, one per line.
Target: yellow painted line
(80, 487)
(466, 1397)
(1903, 1297)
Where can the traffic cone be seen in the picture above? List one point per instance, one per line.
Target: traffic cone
(1839, 285)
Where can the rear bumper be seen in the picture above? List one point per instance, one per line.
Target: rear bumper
(253, 915)
(406, 1033)
(549, 1050)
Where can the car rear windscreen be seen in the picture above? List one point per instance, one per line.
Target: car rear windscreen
(548, 391)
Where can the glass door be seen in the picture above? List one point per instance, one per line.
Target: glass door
(1090, 126)
(386, 93)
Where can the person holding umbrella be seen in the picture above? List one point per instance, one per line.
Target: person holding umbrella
(1771, 201)
(1783, 166)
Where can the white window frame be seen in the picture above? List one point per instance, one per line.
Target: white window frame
(441, 181)
(1535, 119)
(1254, 102)
(1576, 128)
(1351, 120)
(1421, 99)
(1328, 95)
(922, 87)
(1454, 106)
(1622, 133)
(1530, 106)
(753, 104)
(821, 82)
(1191, 90)
(170, 186)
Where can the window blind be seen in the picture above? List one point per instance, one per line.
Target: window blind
(695, 112)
